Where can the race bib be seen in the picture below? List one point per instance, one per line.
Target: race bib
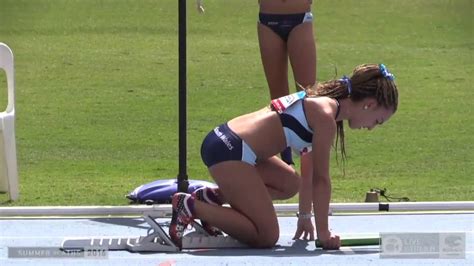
(282, 103)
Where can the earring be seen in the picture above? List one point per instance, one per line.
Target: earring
(365, 107)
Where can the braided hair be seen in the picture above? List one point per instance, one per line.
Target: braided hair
(368, 80)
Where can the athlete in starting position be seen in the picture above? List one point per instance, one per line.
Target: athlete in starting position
(241, 156)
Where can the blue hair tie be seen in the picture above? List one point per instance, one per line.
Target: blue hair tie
(385, 72)
(347, 81)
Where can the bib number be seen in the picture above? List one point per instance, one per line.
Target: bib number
(282, 103)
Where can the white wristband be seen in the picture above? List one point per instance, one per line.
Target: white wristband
(304, 215)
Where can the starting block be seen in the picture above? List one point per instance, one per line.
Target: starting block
(156, 240)
(8, 162)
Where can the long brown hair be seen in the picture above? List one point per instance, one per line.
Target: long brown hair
(367, 80)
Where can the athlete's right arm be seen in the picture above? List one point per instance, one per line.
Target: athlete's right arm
(322, 143)
(305, 228)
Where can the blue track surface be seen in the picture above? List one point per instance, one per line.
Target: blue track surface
(50, 233)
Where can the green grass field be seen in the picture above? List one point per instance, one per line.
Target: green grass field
(97, 87)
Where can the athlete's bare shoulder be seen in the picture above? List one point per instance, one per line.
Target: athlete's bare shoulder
(320, 113)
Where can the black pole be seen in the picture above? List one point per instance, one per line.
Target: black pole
(182, 175)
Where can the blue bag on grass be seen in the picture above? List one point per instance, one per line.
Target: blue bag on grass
(160, 191)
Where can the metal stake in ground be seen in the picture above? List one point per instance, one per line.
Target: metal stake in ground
(182, 175)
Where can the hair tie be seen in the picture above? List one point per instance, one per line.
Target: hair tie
(347, 81)
(385, 72)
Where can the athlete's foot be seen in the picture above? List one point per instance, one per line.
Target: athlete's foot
(183, 215)
(208, 195)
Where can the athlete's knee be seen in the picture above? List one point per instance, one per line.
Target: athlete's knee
(266, 233)
(267, 239)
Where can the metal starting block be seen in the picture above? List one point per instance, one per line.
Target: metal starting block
(156, 240)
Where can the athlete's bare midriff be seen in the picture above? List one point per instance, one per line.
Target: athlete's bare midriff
(262, 131)
(285, 6)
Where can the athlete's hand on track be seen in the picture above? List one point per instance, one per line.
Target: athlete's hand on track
(329, 241)
(305, 229)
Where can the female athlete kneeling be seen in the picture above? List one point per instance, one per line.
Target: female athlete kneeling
(241, 157)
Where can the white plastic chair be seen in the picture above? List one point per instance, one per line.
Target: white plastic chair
(8, 162)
